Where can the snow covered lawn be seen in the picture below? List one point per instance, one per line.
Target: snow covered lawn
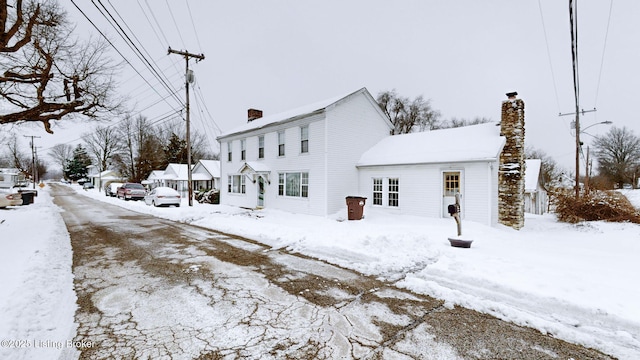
(575, 282)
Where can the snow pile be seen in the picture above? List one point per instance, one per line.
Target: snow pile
(37, 301)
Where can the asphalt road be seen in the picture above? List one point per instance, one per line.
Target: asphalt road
(149, 288)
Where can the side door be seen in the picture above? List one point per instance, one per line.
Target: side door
(451, 184)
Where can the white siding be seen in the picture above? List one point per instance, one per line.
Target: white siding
(353, 127)
(293, 161)
(421, 188)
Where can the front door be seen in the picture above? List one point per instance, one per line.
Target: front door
(260, 191)
(451, 181)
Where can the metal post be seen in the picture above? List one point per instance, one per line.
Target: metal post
(187, 55)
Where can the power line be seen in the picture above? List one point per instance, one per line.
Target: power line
(114, 47)
(123, 34)
(604, 47)
(193, 24)
(546, 39)
(175, 24)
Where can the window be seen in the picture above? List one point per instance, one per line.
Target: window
(261, 147)
(451, 183)
(377, 191)
(229, 153)
(394, 187)
(295, 184)
(304, 139)
(235, 184)
(243, 149)
(280, 143)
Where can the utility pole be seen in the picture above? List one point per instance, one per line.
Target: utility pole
(33, 159)
(188, 79)
(578, 145)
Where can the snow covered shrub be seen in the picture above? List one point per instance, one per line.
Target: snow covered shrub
(208, 197)
(593, 206)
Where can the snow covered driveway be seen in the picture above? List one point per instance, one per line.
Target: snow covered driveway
(152, 288)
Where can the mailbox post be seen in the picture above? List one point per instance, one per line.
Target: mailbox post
(454, 211)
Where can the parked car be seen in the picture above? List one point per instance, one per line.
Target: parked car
(87, 185)
(111, 189)
(131, 191)
(82, 181)
(162, 196)
(10, 199)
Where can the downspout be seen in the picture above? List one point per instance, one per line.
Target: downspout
(326, 164)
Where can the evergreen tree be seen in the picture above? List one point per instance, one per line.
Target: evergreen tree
(176, 150)
(76, 168)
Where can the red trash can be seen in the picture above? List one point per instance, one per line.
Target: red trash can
(355, 207)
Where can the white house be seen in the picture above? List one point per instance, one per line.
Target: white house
(206, 175)
(303, 160)
(98, 179)
(420, 173)
(176, 177)
(155, 179)
(535, 195)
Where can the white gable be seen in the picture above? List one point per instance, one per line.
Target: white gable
(176, 172)
(468, 143)
(531, 174)
(211, 166)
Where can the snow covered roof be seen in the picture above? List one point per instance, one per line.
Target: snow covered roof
(531, 174)
(290, 115)
(468, 143)
(255, 167)
(176, 172)
(155, 174)
(212, 167)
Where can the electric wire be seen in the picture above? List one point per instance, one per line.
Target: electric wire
(193, 24)
(123, 34)
(546, 40)
(604, 47)
(175, 24)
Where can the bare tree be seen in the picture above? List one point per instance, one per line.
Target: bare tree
(618, 155)
(460, 122)
(102, 144)
(61, 153)
(18, 158)
(550, 170)
(48, 74)
(406, 114)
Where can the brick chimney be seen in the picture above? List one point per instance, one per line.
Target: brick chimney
(253, 114)
(512, 165)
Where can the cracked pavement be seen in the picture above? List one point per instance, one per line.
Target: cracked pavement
(150, 288)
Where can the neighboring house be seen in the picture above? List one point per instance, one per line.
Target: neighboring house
(535, 195)
(154, 179)
(10, 177)
(176, 177)
(206, 175)
(101, 178)
(303, 160)
(420, 173)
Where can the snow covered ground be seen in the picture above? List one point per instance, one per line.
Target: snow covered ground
(575, 282)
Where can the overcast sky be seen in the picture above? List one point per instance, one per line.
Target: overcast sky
(463, 55)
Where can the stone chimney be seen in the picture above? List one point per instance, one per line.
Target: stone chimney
(253, 114)
(512, 165)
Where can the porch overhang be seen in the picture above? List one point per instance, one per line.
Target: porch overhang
(253, 171)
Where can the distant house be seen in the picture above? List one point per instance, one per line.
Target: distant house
(9, 177)
(420, 173)
(303, 160)
(98, 179)
(206, 175)
(154, 179)
(535, 195)
(176, 177)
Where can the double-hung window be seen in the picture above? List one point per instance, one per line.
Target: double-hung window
(261, 147)
(294, 184)
(243, 149)
(229, 152)
(377, 191)
(304, 139)
(235, 184)
(280, 143)
(394, 190)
